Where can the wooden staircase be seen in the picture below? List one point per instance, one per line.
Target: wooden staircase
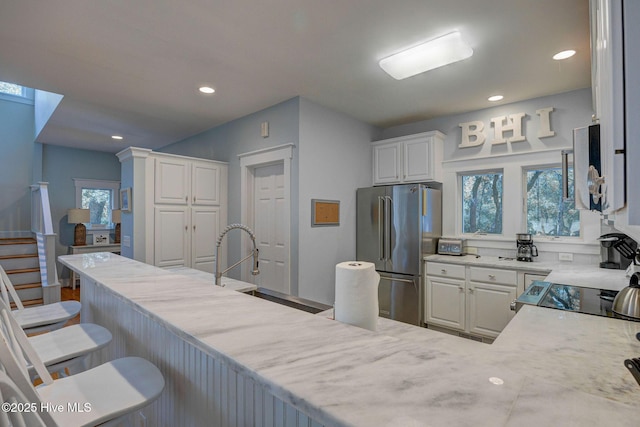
(19, 258)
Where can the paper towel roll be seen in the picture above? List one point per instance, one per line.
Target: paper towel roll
(356, 300)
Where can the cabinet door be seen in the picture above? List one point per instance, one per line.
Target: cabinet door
(171, 181)
(205, 228)
(445, 302)
(387, 163)
(172, 236)
(489, 310)
(418, 159)
(205, 188)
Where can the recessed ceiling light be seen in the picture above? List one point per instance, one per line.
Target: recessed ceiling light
(206, 89)
(495, 98)
(118, 137)
(564, 54)
(427, 56)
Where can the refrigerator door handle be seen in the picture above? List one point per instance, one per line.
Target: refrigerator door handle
(388, 222)
(381, 227)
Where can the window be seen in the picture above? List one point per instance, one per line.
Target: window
(100, 197)
(15, 92)
(482, 203)
(548, 214)
(11, 89)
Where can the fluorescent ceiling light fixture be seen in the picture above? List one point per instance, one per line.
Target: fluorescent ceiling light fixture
(495, 98)
(206, 89)
(564, 54)
(118, 137)
(427, 56)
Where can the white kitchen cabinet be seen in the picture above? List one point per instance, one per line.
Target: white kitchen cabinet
(445, 296)
(467, 299)
(490, 293)
(179, 209)
(413, 158)
(183, 182)
(171, 236)
(186, 237)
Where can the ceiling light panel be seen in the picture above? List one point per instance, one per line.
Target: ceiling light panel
(427, 56)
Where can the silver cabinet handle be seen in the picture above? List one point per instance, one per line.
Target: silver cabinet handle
(443, 271)
(186, 228)
(186, 199)
(492, 277)
(470, 290)
(194, 228)
(194, 199)
(461, 288)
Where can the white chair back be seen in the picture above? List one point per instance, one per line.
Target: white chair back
(8, 291)
(13, 413)
(15, 350)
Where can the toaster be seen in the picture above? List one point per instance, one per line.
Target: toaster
(450, 246)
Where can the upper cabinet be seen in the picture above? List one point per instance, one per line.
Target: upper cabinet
(607, 82)
(412, 158)
(187, 182)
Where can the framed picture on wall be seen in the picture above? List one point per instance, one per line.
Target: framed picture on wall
(125, 199)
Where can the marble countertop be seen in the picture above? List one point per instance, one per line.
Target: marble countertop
(548, 367)
(227, 282)
(568, 273)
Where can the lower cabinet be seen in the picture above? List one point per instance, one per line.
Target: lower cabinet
(473, 300)
(185, 237)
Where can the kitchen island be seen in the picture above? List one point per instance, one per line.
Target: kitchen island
(233, 359)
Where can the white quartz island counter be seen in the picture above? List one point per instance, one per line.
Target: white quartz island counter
(232, 359)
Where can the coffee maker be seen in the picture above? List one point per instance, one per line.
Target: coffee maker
(617, 250)
(526, 249)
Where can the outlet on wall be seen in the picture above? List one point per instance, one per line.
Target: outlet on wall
(565, 256)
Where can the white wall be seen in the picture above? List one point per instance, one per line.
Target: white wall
(572, 109)
(335, 160)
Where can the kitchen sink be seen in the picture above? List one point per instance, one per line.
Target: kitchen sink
(309, 306)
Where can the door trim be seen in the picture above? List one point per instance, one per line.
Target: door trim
(248, 162)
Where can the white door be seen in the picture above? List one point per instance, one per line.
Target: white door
(270, 228)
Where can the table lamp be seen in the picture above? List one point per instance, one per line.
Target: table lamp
(115, 218)
(78, 217)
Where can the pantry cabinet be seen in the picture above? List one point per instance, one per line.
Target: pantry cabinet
(468, 299)
(413, 158)
(179, 209)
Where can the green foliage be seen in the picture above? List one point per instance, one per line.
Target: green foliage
(99, 202)
(482, 203)
(547, 213)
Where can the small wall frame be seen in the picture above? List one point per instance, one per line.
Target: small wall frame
(325, 213)
(125, 199)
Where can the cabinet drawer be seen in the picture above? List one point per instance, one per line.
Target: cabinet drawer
(445, 270)
(491, 275)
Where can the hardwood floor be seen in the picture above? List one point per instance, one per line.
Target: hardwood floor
(68, 294)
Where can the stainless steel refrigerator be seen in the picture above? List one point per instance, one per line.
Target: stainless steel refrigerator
(396, 226)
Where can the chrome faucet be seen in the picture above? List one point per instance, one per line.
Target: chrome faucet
(254, 252)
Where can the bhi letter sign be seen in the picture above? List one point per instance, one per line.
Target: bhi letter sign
(473, 136)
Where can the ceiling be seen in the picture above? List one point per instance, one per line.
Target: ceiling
(133, 67)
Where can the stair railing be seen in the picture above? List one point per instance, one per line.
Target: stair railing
(42, 226)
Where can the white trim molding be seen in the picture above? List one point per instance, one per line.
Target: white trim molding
(248, 162)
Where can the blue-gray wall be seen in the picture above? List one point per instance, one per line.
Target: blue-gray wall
(60, 165)
(16, 165)
(239, 136)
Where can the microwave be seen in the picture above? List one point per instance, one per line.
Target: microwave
(449, 246)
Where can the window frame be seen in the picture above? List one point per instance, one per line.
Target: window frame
(460, 203)
(114, 186)
(523, 178)
(27, 97)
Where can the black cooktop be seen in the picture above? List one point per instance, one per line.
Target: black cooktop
(571, 298)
